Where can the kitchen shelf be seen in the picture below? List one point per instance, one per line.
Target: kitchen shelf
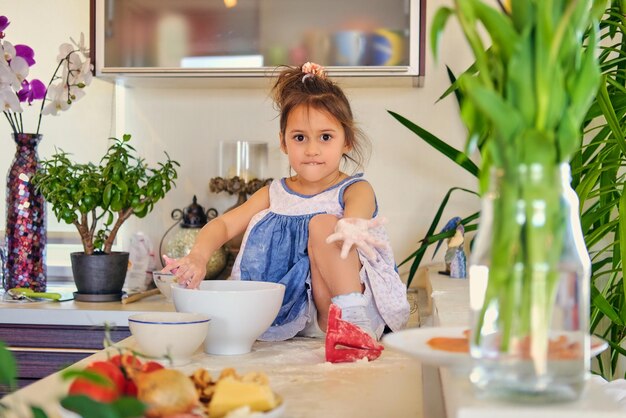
(368, 42)
(41, 350)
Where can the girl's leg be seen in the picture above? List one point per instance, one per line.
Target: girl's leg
(330, 274)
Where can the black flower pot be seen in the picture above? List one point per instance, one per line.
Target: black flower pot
(99, 274)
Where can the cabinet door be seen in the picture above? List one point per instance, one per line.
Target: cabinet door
(249, 38)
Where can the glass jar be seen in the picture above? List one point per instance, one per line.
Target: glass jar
(190, 221)
(529, 288)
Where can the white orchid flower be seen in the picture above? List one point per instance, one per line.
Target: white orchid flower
(64, 50)
(81, 74)
(86, 72)
(58, 100)
(73, 73)
(74, 60)
(7, 76)
(16, 65)
(80, 45)
(9, 100)
(8, 51)
(20, 67)
(75, 69)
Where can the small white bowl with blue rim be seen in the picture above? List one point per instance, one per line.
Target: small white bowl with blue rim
(173, 335)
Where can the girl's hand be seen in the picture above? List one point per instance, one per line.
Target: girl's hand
(189, 270)
(355, 231)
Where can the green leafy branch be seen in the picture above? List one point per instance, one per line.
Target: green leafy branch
(98, 199)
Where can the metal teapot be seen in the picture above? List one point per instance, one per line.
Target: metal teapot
(190, 221)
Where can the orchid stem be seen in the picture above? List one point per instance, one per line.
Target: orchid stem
(13, 127)
(43, 101)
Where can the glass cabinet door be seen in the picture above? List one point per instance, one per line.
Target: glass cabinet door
(248, 37)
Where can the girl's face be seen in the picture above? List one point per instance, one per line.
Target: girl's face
(314, 141)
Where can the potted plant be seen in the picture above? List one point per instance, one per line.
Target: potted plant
(598, 183)
(526, 97)
(25, 231)
(97, 200)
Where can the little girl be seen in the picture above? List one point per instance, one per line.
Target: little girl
(316, 232)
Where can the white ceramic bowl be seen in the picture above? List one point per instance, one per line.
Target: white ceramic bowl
(176, 334)
(240, 311)
(164, 282)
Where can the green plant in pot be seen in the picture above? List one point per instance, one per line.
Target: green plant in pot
(97, 200)
(598, 182)
(526, 97)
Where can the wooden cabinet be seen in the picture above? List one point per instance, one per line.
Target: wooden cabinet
(249, 38)
(41, 350)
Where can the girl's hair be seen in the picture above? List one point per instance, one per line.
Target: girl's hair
(295, 87)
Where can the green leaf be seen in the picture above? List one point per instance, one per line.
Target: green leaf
(453, 87)
(8, 367)
(506, 119)
(596, 234)
(436, 28)
(93, 376)
(128, 407)
(107, 194)
(608, 111)
(450, 152)
(604, 306)
(88, 408)
(499, 27)
(584, 86)
(38, 412)
(519, 82)
(622, 239)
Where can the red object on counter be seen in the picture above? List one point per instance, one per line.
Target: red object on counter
(108, 392)
(346, 342)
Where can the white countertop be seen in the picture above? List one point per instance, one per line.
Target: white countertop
(311, 388)
(451, 301)
(78, 313)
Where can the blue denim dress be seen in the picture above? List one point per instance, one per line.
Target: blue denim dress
(274, 249)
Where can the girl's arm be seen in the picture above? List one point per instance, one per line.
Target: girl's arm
(353, 228)
(359, 201)
(191, 269)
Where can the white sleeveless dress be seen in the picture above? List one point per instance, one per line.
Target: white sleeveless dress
(274, 249)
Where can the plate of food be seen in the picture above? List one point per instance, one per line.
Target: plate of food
(169, 391)
(449, 346)
(233, 395)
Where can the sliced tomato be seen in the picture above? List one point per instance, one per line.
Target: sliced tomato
(108, 392)
(126, 361)
(151, 366)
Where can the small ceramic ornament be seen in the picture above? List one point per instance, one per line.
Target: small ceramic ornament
(455, 259)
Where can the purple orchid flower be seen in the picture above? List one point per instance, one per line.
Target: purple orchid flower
(4, 23)
(35, 90)
(27, 53)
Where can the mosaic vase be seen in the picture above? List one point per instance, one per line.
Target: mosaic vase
(26, 220)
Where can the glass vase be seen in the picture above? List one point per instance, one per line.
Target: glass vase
(529, 288)
(25, 264)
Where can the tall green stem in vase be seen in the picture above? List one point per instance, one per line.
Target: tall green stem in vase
(530, 278)
(527, 94)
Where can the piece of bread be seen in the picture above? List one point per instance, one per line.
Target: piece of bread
(231, 393)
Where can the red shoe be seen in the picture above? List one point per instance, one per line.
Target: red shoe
(345, 342)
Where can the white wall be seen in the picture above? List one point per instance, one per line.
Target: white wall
(409, 177)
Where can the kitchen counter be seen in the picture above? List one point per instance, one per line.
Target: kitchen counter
(451, 304)
(387, 387)
(390, 386)
(45, 336)
(71, 312)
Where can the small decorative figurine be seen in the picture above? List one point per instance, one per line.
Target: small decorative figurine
(455, 259)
